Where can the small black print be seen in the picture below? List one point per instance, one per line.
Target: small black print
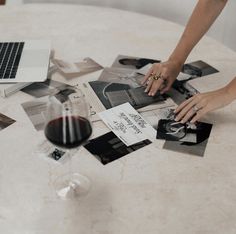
(57, 154)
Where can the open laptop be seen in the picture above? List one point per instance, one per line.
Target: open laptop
(24, 61)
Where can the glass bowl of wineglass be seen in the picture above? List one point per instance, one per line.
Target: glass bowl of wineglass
(68, 127)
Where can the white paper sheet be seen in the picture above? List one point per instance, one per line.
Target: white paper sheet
(128, 124)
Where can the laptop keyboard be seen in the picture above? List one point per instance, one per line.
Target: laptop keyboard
(10, 54)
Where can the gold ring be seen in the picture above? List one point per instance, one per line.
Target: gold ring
(156, 77)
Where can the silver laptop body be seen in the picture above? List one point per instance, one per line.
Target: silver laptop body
(24, 61)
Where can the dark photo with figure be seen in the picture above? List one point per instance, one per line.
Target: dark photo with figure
(109, 147)
(126, 61)
(198, 68)
(197, 148)
(175, 131)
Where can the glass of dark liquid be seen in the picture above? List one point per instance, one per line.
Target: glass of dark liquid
(67, 127)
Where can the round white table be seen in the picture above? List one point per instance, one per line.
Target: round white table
(149, 191)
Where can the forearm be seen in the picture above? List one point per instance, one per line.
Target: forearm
(203, 16)
(231, 90)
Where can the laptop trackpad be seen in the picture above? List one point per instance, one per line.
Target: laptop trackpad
(34, 58)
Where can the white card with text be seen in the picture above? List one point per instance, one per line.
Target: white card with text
(128, 124)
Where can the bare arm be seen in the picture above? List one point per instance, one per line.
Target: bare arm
(203, 16)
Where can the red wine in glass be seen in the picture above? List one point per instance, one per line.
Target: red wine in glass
(68, 131)
(67, 126)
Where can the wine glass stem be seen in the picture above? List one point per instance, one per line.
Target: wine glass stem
(69, 164)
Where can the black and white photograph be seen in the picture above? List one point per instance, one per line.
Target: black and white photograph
(114, 94)
(171, 130)
(49, 87)
(135, 96)
(5, 121)
(198, 148)
(198, 69)
(125, 61)
(121, 76)
(109, 147)
(100, 88)
(36, 110)
(181, 91)
(78, 68)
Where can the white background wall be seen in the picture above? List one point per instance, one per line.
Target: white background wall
(174, 10)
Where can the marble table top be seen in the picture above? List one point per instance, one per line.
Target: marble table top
(149, 191)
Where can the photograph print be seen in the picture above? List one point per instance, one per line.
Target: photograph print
(5, 121)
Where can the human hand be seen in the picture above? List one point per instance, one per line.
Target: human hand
(200, 104)
(161, 76)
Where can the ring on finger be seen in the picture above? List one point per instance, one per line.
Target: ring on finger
(156, 77)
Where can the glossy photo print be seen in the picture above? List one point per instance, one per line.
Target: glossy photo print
(5, 121)
(126, 61)
(198, 148)
(109, 147)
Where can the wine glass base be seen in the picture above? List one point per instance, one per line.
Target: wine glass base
(72, 186)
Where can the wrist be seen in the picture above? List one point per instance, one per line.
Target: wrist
(229, 95)
(177, 60)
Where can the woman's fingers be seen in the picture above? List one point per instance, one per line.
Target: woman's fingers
(147, 76)
(199, 115)
(156, 85)
(191, 109)
(152, 71)
(182, 105)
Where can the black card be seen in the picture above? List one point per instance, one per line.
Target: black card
(109, 147)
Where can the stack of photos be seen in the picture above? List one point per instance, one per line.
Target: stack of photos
(5, 121)
(109, 147)
(122, 83)
(186, 138)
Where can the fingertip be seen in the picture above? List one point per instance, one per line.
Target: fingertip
(177, 110)
(193, 121)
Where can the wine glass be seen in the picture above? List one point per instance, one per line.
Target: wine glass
(67, 127)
